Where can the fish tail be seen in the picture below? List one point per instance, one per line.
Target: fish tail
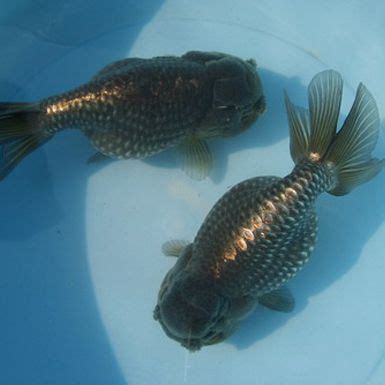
(314, 136)
(19, 134)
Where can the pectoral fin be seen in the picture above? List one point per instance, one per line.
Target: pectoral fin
(279, 300)
(195, 158)
(174, 248)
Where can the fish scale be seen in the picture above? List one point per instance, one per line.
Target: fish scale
(159, 113)
(135, 108)
(267, 261)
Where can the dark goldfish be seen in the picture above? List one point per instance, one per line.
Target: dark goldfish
(134, 108)
(262, 232)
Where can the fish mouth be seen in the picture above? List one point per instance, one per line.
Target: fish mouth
(193, 344)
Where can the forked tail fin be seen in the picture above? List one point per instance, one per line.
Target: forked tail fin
(18, 134)
(313, 132)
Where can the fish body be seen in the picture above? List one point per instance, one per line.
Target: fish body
(135, 108)
(262, 232)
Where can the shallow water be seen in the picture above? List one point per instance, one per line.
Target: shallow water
(81, 262)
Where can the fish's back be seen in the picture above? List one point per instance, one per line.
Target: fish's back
(143, 96)
(251, 241)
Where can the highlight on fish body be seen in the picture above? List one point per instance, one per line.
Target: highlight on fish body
(262, 232)
(134, 108)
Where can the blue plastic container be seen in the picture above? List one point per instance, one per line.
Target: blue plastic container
(81, 260)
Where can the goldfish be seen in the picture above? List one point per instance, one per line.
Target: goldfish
(261, 233)
(135, 107)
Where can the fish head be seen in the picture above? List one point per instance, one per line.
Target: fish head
(237, 94)
(192, 312)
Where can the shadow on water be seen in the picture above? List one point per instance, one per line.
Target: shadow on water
(345, 225)
(268, 129)
(51, 331)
